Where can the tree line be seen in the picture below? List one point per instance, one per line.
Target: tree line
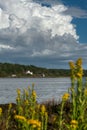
(17, 70)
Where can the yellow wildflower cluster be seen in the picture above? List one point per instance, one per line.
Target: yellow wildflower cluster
(72, 65)
(43, 109)
(79, 62)
(74, 124)
(18, 91)
(0, 111)
(29, 112)
(78, 75)
(14, 111)
(76, 69)
(65, 96)
(34, 123)
(20, 118)
(34, 94)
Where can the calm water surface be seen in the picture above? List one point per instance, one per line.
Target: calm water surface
(46, 88)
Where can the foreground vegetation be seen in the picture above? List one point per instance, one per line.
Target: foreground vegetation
(68, 114)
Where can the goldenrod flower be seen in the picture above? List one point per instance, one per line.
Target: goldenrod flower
(34, 126)
(74, 123)
(18, 91)
(34, 94)
(76, 69)
(20, 118)
(79, 62)
(78, 75)
(43, 109)
(72, 65)
(34, 123)
(14, 111)
(0, 111)
(65, 96)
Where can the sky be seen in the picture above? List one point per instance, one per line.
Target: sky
(44, 33)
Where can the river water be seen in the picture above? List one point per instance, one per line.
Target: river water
(46, 88)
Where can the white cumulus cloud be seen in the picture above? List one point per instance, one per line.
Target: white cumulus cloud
(38, 17)
(4, 22)
(33, 32)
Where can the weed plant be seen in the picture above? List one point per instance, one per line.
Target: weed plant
(29, 114)
(77, 96)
